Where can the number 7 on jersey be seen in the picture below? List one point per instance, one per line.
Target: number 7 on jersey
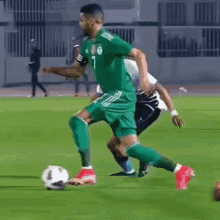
(93, 62)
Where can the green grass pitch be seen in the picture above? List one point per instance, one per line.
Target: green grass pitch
(35, 133)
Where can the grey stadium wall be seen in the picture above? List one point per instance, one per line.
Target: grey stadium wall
(183, 46)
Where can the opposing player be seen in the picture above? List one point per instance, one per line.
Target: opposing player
(148, 109)
(105, 53)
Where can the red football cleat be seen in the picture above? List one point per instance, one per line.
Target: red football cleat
(84, 177)
(183, 177)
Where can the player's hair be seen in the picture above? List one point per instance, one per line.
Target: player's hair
(94, 10)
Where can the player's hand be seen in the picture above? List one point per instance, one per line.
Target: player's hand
(45, 70)
(177, 121)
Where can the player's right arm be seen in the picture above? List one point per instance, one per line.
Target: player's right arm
(74, 71)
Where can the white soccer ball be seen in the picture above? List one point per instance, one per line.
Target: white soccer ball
(55, 177)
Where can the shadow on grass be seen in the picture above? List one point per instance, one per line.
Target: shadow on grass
(40, 188)
(23, 187)
(20, 177)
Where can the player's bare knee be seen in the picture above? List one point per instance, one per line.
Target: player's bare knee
(129, 140)
(83, 115)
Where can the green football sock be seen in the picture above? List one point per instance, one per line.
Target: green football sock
(81, 135)
(166, 164)
(85, 155)
(150, 156)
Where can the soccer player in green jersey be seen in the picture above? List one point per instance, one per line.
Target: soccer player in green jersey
(105, 53)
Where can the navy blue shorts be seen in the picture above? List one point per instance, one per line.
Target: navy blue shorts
(145, 115)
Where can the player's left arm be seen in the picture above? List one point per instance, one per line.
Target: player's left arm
(166, 97)
(140, 57)
(122, 48)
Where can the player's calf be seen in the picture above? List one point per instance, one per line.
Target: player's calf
(79, 126)
(81, 136)
(148, 155)
(123, 161)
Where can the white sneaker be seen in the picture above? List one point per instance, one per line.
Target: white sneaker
(31, 96)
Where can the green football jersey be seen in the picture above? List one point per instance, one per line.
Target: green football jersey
(106, 56)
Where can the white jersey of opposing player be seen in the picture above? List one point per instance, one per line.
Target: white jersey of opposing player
(132, 69)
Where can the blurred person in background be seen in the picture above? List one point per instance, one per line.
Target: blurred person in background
(69, 61)
(34, 66)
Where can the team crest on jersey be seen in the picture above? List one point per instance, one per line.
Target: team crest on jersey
(93, 49)
(99, 50)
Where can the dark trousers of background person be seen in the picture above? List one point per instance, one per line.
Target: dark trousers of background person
(34, 81)
(86, 81)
